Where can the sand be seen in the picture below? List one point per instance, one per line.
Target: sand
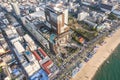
(89, 69)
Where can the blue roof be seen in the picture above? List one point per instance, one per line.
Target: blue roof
(52, 37)
(40, 75)
(16, 72)
(28, 52)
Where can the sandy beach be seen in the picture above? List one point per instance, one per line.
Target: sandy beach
(89, 69)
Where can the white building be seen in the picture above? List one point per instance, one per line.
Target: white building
(6, 21)
(18, 46)
(103, 26)
(11, 32)
(82, 16)
(27, 59)
(16, 8)
(30, 42)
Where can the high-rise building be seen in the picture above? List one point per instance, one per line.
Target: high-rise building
(57, 18)
(16, 8)
(53, 33)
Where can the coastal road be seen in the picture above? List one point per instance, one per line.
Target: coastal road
(104, 51)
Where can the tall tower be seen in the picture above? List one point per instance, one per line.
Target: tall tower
(57, 18)
(16, 8)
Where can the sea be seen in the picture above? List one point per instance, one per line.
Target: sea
(110, 69)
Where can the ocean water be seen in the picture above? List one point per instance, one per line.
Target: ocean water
(110, 70)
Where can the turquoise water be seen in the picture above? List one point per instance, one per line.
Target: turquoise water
(110, 70)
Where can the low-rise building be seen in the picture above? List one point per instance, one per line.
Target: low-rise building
(50, 68)
(82, 16)
(12, 68)
(117, 11)
(103, 26)
(30, 42)
(11, 32)
(92, 24)
(4, 48)
(26, 58)
(4, 71)
(41, 74)
(108, 8)
(81, 40)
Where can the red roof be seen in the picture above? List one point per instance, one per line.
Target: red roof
(45, 66)
(42, 52)
(81, 40)
(37, 56)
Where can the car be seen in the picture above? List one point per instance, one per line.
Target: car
(86, 59)
(89, 55)
(45, 31)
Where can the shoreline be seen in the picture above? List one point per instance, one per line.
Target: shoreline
(88, 71)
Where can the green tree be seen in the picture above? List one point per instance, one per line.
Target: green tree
(1, 69)
(111, 16)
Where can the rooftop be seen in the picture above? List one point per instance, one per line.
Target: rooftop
(40, 75)
(36, 56)
(29, 63)
(4, 48)
(108, 7)
(46, 32)
(14, 69)
(56, 8)
(47, 65)
(11, 32)
(19, 47)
